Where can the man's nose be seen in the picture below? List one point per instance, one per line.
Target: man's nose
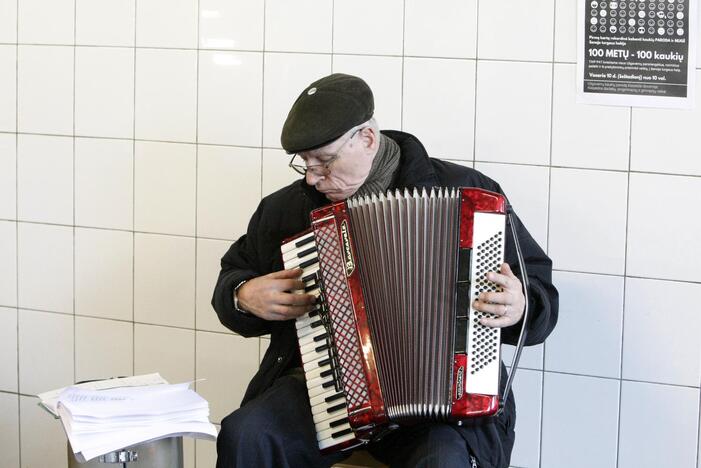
(312, 178)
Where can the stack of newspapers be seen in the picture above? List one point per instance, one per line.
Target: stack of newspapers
(98, 422)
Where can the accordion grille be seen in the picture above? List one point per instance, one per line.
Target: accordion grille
(343, 322)
(408, 244)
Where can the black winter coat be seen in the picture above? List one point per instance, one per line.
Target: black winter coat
(285, 213)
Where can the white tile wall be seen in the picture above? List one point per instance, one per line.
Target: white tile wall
(164, 299)
(166, 23)
(45, 179)
(8, 263)
(513, 112)
(105, 23)
(165, 187)
(104, 273)
(588, 220)
(662, 232)
(8, 176)
(650, 306)
(301, 26)
(590, 305)
(104, 183)
(504, 25)
(429, 32)
(228, 190)
(43, 334)
(9, 427)
(580, 422)
(380, 23)
(41, 22)
(133, 167)
(104, 92)
(439, 105)
(8, 21)
(169, 351)
(103, 348)
(45, 267)
(230, 98)
(8, 348)
(45, 106)
(226, 24)
(655, 416)
(166, 94)
(8, 88)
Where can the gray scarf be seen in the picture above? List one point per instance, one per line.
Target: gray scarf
(383, 168)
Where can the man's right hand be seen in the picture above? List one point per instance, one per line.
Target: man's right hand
(271, 297)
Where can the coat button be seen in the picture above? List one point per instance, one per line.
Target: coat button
(279, 359)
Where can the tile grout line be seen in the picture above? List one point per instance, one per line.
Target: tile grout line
(17, 280)
(133, 203)
(197, 180)
(547, 217)
(625, 285)
(75, 324)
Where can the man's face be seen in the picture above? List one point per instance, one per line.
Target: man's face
(350, 160)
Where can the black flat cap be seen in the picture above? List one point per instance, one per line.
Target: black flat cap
(325, 110)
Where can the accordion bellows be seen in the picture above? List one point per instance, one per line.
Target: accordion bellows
(395, 333)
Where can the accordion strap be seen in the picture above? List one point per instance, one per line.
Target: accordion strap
(522, 335)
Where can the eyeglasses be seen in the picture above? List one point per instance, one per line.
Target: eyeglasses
(323, 168)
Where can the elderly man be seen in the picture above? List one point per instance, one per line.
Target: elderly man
(339, 149)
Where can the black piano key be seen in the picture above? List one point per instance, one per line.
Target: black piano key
(338, 422)
(323, 347)
(318, 323)
(338, 434)
(309, 277)
(333, 397)
(314, 313)
(326, 373)
(328, 384)
(304, 253)
(309, 262)
(336, 408)
(324, 362)
(323, 336)
(302, 242)
(312, 287)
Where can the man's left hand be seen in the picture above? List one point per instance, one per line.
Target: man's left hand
(507, 305)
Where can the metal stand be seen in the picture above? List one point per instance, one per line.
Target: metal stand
(162, 453)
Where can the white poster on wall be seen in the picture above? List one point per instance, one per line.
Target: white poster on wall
(637, 53)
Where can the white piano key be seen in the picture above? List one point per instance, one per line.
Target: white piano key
(315, 356)
(291, 245)
(331, 442)
(308, 366)
(316, 372)
(314, 381)
(324, 418)
(305, 340)
(319, 401)
(325, 434)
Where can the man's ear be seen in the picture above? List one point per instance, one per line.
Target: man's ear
(370, 138)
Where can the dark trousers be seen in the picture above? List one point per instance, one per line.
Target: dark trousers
(276, 430)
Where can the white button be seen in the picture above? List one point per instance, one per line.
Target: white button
(311, 91)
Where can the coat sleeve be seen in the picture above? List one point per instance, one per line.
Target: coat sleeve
(241, 262)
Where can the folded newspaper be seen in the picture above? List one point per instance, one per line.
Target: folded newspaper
(98, 422)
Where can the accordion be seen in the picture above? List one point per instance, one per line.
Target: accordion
(394, 337)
